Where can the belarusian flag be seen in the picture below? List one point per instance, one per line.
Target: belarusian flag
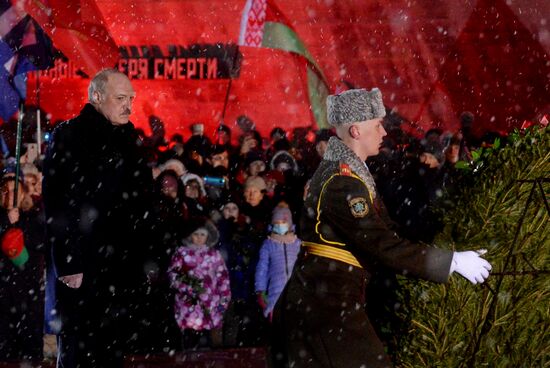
(263, 25)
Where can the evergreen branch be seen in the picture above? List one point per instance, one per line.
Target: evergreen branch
(487, 323)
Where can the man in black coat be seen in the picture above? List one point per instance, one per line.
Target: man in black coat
(346, 234)
(96, 194)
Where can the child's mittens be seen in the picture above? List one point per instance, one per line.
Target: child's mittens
(262, 299)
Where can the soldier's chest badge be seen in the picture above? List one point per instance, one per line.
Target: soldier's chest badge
(359, 207)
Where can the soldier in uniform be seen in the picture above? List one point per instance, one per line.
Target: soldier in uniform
(320, 316)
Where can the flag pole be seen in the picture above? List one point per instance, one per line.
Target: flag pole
(226, 101)
(18, 150)
(38, 127)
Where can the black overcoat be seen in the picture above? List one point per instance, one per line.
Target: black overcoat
(97, 190)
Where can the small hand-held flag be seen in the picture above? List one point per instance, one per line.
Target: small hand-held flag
(13, 246)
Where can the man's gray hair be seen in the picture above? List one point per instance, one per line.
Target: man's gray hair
(98, 82)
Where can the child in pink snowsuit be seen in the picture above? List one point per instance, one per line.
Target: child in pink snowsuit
(198, 274)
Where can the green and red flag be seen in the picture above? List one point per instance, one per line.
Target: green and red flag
(264, 25)
(13, 246)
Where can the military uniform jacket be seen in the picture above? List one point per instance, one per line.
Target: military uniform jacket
(345, 233)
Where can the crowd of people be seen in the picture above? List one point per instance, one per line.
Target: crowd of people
(207, 244)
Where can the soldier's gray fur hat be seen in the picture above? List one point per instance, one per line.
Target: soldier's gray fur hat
(355, 105)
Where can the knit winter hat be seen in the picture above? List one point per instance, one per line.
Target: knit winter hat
(223, 128)
(282, 213)
(323, 135)
(197, 128)
(354, 106)
(435, 149)
(199, 144)
(245, 123)
(254, 156)
(255, 182)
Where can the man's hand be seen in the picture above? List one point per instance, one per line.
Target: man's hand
(13, 215)
(248, 144)
(72, 281)
(470, 265)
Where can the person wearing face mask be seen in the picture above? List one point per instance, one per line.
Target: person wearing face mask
(277, 256)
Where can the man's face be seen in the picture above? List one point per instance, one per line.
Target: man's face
(220, 159)
(31, 181)
(371, 136)
(452, 154)
(429, 160)
(115, 103)
(256, 167)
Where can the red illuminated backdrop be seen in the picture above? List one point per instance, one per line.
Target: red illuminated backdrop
(431, 59)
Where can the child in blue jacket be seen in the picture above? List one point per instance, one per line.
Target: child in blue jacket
(277, 257)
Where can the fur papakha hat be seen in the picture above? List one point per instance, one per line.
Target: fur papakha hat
(354, 106)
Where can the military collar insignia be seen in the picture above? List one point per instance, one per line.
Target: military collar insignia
(338, 151)
(344, 169)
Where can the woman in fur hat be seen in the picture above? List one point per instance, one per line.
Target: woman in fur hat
(198, 274)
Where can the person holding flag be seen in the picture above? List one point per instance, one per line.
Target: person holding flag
(21, 273)
(24, 47)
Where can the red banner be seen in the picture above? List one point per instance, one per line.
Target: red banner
(76, 27)
(431, 63)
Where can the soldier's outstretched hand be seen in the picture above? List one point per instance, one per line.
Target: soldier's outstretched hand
(470, 265)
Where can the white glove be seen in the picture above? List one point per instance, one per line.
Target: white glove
(470, 265)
